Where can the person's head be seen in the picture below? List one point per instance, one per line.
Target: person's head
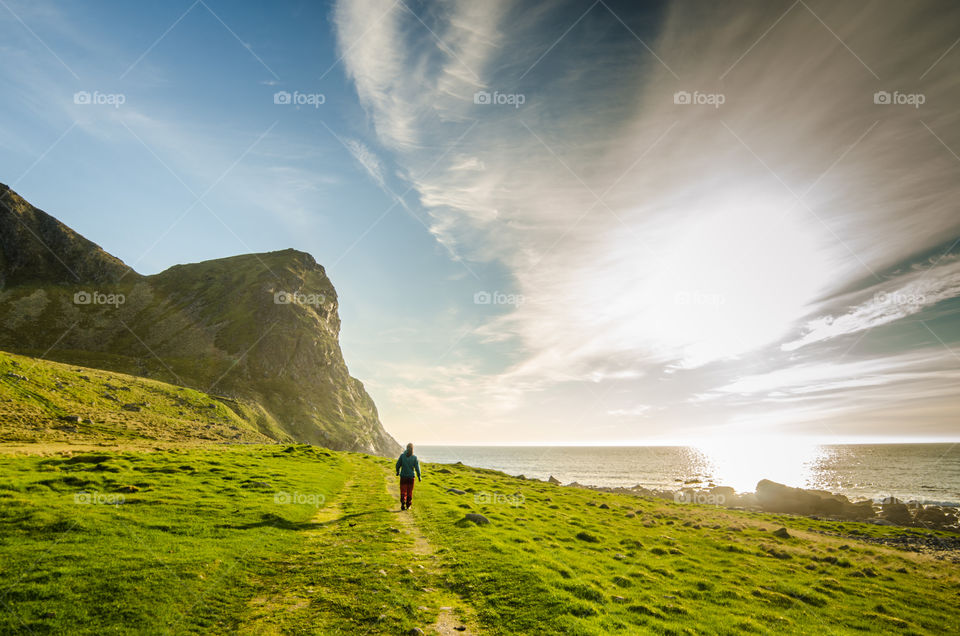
(410, 448)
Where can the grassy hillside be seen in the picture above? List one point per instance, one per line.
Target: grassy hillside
(296, 539)
(42, 401)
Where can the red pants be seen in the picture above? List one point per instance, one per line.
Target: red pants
(406, 491)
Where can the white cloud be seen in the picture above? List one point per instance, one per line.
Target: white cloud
(906, 295)
(644, 234)
(367, 159)
(826, 376)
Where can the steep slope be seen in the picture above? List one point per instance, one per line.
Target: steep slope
(37, 248)
(52, 403)
(260, 327)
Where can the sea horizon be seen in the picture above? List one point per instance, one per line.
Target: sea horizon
(674, 444)
(909, 471)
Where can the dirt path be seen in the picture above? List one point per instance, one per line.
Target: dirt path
(280, 601)
(455, 616)
(363, 565)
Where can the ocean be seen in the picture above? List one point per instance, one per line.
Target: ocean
(928, 473)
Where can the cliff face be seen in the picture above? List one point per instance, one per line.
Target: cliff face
(262, 327)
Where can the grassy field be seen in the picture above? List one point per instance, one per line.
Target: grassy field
(297, 539)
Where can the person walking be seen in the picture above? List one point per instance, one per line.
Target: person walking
(407, 467)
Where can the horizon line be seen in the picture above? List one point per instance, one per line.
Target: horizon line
(637, 444)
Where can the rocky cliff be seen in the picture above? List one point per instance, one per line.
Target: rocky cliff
(261, 327)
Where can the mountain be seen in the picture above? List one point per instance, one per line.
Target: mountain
(262, 328)
(36, 248)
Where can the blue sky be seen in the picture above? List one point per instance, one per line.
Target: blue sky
(688, 221)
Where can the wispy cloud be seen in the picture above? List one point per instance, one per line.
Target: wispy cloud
(906, 295)
(367, 159)
(648, 235)
(668, 254)
(828, 376)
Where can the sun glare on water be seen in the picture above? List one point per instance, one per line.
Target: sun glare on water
(741, 462)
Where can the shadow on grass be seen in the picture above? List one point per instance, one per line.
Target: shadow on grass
(270, 520)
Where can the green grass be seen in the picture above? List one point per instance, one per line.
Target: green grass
(360, 571)
(559, 564)
(35, 396)
(149, 542)
(202, 540)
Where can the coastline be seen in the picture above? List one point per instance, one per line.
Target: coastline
(926, 473)
(815, 505)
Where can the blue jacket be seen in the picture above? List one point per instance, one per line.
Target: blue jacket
(407, 465)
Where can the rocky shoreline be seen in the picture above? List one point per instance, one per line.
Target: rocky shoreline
(939, 547)
(819, 504)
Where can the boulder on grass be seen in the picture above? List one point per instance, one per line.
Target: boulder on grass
(474, 518)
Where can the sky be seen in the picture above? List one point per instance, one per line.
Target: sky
(560, 222)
